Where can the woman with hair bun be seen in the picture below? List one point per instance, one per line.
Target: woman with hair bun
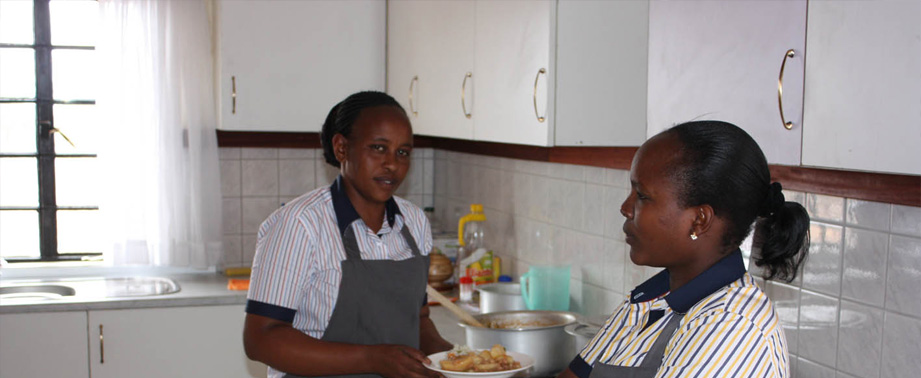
(338, 280)
(698, 190)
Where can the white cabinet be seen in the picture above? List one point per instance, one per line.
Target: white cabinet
(601, 73)
(284, 64)
(721, 60)
(863, 86)
(44, 345)
(516, 92)
(506, 46)
(513, 71)
(201, 341)
(430, 51)
(205, 341)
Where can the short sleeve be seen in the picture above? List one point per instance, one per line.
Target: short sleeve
(281, 267)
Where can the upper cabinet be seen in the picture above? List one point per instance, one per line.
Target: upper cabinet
(513, 71)
(429, 55)
(476, 70)
(284, 64)
(722, 60)
(487, 70)
(601, 73)
(863, 86)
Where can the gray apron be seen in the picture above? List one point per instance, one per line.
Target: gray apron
(379, 300)
(651, 362)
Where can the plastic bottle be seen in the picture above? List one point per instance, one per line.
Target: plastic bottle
(471, 230)
(466, 289)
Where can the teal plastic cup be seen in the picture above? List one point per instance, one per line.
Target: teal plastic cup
(546, 288)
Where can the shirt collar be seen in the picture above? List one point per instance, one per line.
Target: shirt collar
(346, 213)
(725, 271)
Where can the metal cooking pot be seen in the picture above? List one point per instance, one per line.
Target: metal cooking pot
(583, 333)
(500, 296)
(539, 334)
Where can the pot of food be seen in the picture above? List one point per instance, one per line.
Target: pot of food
(500, 296)
(539, 334)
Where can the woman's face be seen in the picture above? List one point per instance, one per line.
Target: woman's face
(375, 158)
(657, 228)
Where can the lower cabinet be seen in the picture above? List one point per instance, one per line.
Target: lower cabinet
(51, 344)
(202, 341)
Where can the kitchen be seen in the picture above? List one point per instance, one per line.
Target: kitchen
(614, 74)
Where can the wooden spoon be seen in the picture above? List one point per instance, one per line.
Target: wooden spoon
(459, 312)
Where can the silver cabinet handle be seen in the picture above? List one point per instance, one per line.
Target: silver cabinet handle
(786, 125)
(463, 95)
(412, 84)
(540, 118)
(233, 94)
(102, 347)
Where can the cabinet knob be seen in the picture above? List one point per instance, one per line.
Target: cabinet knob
(788, 54)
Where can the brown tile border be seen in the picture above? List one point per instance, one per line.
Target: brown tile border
(267, 139)
(878, 187)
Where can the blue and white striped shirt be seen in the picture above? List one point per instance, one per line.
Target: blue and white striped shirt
(729, 328)
(297, 267)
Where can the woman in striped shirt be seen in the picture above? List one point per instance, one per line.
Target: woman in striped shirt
(339, 276)
(697, 189)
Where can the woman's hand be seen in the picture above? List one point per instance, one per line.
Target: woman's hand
(398, 361)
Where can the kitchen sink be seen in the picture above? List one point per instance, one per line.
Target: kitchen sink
(139, 286)
(36, 292)
(87, 288)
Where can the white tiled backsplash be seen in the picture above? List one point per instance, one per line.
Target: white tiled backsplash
(853, 312)
(256, 181)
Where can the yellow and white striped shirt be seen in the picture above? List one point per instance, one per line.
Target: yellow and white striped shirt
(729, 328)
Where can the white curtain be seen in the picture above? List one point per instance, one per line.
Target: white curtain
(162, 199)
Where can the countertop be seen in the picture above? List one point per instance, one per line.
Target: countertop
(448, 326)
(196, 288)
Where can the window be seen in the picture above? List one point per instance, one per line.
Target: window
(48, 159)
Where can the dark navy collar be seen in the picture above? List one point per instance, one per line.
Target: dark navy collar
(724, 272)
(346, 213)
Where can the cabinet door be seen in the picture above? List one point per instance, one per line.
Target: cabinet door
(513, 43)
(43, 345)
(721, 60)
(433, 42)
(291, 61)
(601, 73)
(201, 341)
(863, 86)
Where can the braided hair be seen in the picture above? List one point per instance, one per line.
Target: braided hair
(342, 116)
(721, 165)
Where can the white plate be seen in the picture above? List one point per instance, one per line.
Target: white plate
(525, 361)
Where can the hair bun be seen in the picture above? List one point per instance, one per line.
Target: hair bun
(774, 200)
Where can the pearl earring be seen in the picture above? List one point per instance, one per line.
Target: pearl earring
(693, 236)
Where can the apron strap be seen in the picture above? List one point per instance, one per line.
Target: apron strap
(655, 354)
(352, 252)
(410, 240)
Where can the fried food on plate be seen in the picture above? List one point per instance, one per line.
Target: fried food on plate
(494, 359)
